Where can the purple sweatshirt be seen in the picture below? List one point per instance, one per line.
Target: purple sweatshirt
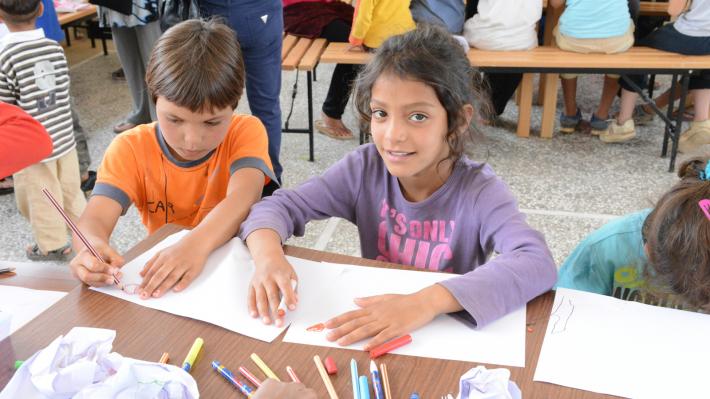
(454, 230)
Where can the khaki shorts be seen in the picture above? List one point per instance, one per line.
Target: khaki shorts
(610, 45)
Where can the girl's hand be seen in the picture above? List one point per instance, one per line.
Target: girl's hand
(383, 316)
(92, 271)
(389, 316)
(173, 267)
(272, 278)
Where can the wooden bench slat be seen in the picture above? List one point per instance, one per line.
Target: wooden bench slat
(294, 56)
(310, 59)
(287, 45)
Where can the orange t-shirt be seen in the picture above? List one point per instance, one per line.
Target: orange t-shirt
(138, 168)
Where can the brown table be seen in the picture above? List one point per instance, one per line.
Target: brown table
(68, 17)
(145, 333)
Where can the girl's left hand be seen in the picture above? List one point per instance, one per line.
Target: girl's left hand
(383, 316)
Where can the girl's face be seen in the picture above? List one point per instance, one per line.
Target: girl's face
(409, 128)
(191, 135)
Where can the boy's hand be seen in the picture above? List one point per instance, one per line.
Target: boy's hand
(271, 388)
(272, 278)
(92, 271)
(173, 267)
(389, 316)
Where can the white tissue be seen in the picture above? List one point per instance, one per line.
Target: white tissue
(481, 383)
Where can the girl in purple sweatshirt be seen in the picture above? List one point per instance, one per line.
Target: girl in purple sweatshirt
(416, 200)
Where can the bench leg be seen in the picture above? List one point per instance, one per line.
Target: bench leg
(525, 109)
(549, 105)
(67, 36)
(667, 131)
(103, 44)
(685, 80)
(541, 89)
(309, 84)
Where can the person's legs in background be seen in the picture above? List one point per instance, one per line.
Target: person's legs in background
(133, 45)
(340, 85)
(88, 177)
(501, 87)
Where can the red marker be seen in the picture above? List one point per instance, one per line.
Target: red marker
(249, 376)
(389, 346)
(330, 366)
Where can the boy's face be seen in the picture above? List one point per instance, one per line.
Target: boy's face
(190, 135)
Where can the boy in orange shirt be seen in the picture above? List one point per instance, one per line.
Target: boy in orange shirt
(199, 166)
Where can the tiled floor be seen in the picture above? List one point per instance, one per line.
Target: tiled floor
(568, 185)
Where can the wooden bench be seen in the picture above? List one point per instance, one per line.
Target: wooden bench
(552, 61)
(302, 54)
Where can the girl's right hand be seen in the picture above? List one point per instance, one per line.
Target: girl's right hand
(92, 271)
(271, 280)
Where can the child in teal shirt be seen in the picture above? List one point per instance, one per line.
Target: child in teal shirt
(658, 256)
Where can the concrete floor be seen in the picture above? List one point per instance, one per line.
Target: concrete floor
(568, 186)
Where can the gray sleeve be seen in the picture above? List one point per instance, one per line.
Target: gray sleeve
(252, 162)
(113, 192)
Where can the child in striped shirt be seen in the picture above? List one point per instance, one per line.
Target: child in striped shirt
(34, 76)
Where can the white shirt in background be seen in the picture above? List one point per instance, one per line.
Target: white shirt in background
(504, 25)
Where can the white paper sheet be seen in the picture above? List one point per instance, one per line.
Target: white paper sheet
(81, 365)
(24, 304)
(502, 342)
(217, 296)
(607, 345)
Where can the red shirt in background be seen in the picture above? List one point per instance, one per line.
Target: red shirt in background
(23, 140)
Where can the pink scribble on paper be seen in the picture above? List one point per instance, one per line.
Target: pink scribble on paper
(705, 206)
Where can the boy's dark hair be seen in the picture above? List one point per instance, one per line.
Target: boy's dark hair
(197, 64)
(19, 11)
(428, 54)
(677, 235)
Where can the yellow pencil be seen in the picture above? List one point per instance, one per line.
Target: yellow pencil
(385, 381)
(260, 363)
(165, 358)
(324, 376)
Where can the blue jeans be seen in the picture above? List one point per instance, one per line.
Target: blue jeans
(667, 38)
(260, 42)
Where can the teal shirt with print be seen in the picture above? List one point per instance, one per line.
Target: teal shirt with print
(611, 261)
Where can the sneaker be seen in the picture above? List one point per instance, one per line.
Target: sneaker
(698, 134)
(599, 125)
(568, 124)
(641, 117)
(619, 133)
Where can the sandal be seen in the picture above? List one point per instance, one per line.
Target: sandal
(88, 184)
(122, 127)
(7, 186)
(34, 253)
(688, 115)
(331, 132)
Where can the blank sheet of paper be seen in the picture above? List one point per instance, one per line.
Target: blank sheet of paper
(607, 345)
(501, 342)
(217, 296)
(24, 304)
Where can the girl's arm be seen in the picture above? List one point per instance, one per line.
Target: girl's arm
(362, 19)
(177, 266)
(556, 3)
(523, 269)
(273, 220)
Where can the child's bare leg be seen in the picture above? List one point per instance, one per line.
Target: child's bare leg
(628, 101)
(611, 86)
(569, 91)
(702, 104)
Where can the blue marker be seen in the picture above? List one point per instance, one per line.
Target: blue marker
(229, 376)
(376, 382)
(414, 396)
(364, 388)
(353, 372)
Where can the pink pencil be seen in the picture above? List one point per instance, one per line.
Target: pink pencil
(249, 376)
(292, 374)
(76, 231)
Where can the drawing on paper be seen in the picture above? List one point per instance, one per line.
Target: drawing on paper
(560, 315)
(316, 327)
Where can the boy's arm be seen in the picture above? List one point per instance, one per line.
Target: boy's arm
(556, 3)
(361, 22)
(180, 264)
(676, 7)
(96, 224)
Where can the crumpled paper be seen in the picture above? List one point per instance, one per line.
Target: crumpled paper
(80, 365)
(481, 383)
